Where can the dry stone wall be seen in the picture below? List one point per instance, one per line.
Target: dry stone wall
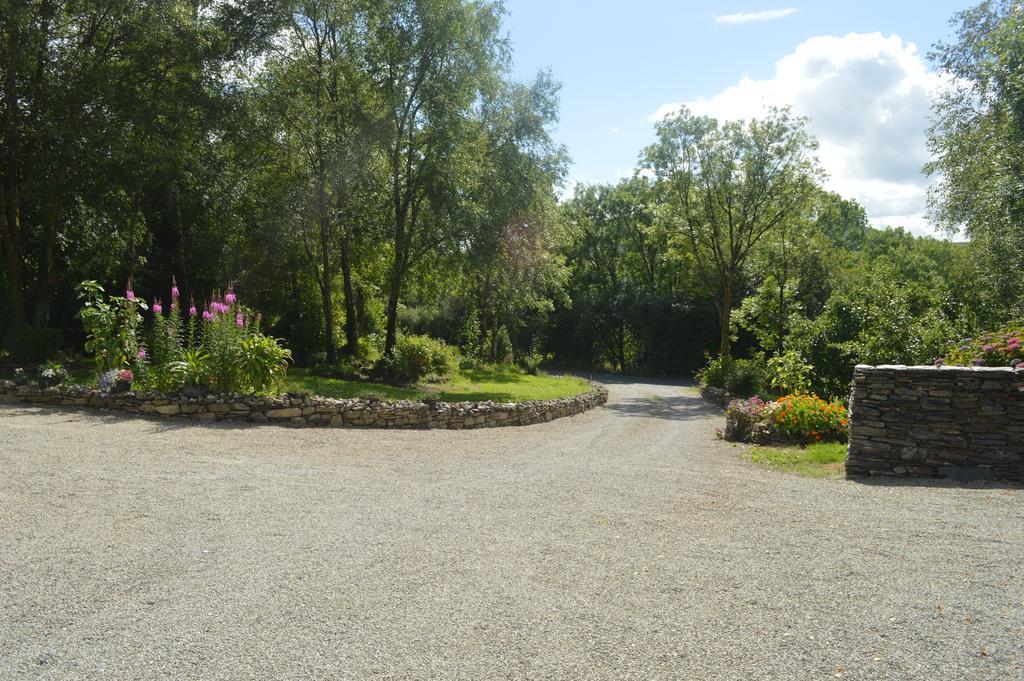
(937, 422)
(313, 411)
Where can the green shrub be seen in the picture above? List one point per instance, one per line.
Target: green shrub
(29, 345)
(788, 373)
(111, 327)
(260, 362)
(531, 363)
(418, 358)
(738, 377)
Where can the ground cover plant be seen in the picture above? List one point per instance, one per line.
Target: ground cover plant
(820, 460)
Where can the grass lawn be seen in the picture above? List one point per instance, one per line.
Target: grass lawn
(497, 384)
(500, 384)
(824, 460)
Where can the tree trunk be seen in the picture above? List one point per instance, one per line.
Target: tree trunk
(394, 289)
(325, 263)
(10, 221)
(48, 270)
(351, 320)
(724, 320)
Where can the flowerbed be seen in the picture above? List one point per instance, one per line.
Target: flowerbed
(1001, 348)
(220, 348)
(798, 418)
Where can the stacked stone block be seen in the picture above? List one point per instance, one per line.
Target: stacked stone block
(313, 411)
(937, 422)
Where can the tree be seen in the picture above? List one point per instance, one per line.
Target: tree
(977, 142)
(727, 186)
(316, 90)
(429, 61)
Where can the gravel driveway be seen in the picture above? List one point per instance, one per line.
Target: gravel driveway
(625, 543)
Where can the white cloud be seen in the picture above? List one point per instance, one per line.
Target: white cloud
(867, 98)
(614, 131)
(749, 17)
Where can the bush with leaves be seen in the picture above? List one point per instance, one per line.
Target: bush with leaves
(738, 377)
(419, 358)
(111, 326)
(789, 374)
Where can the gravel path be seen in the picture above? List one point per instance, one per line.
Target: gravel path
(625, 543)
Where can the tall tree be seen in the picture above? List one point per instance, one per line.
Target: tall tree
(728, 185)
(430, 61)
(977, 143)
(316, 89)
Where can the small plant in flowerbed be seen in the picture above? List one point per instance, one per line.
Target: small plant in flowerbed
(1001, 348)
(795, 419)
(51, 374)
(221, 349)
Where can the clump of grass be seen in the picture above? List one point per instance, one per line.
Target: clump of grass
(822, 460)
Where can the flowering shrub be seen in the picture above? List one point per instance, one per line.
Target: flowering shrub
(741, 417)
(808, 418)
(800, 418)
(1001, 348)
(125, 375)
(223, 349)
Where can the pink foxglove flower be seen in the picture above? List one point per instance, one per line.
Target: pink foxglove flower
(174, 289)
(192, 311)
(157, 307)
(230, 297)
(240, 319)
(207, 316)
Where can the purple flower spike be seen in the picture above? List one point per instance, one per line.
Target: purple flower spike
(230, 297)
(978, 362)
(240, 319)
(192, 311)
(207, 316)
(142, 353)
(129, 294)
(157, 307)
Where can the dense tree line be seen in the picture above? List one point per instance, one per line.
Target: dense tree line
(360, 168)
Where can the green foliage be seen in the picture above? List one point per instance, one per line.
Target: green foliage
(819, 460)
(531, 363)
(111, 327)
(977, 145)
(418, 358)
(29, 344)
(260, 363)
(788, 373)
(192, 369)
(738, 377)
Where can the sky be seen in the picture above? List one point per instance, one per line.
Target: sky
(857, 69)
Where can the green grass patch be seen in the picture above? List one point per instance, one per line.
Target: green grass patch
(500, 384)
(823, 460)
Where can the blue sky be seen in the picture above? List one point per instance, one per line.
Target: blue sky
(621, 64)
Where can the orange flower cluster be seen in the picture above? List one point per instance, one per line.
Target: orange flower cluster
(809, 418)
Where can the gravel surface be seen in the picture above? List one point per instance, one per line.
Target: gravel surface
(625, 543)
